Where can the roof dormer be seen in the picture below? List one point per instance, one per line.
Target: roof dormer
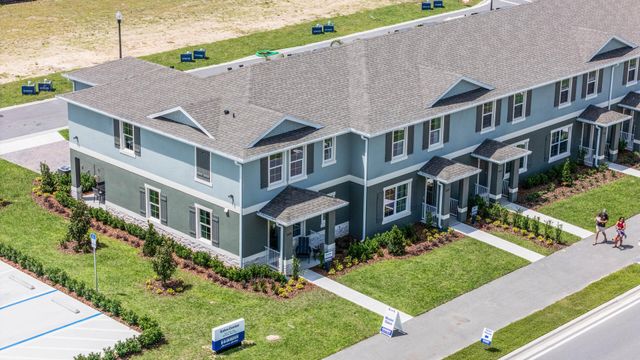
(462, 85)
(612, 44)
(180, 115)
(283, 127)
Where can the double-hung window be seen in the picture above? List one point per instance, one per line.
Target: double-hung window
(153, 203)
(398, 144)
(632, 72)
(298, 229)
(296, 163)
(126, 137)
(328, 151)
(564, 95)
(276, 166)
(435, 132)
(203, 166)
(204, 224)
(519, 106)
(560, 145)
(488, 116)
(397, 200)
(592, 84)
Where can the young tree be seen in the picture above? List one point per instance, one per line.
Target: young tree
(163, 263)
(567, 176)
(48, 184)
(151, 241)
(79, 226)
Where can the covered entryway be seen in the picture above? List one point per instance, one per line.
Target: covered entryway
(630, 105)
(600, 135)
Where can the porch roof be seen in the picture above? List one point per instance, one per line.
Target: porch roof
(447, 171)
(293, 205)
(498, 152)
(602, 116)
(631, 101)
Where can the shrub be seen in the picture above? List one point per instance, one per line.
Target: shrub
(535, 225)
(87, 181)
(183, 252)
(201, 258)
(567, 177)
(533, 197)
(558, 234)
(151, 241)
(395, 241)
(548, 227)
(163, 263)
(47, 184)
(295, 268)
(79, 226)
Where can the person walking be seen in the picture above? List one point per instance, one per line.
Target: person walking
(621, 226)
(601, 225)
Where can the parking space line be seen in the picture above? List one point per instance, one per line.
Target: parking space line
(49, 331)
(27, 299)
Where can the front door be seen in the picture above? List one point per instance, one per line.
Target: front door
(274, 236)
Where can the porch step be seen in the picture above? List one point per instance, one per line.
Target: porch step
(570, 228)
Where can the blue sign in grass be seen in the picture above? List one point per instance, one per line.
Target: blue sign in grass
(228, 335)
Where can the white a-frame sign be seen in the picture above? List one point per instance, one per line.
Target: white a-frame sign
(391, 322)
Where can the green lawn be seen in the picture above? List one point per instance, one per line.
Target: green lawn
(619, 197)
(312, 326)
(418, 284)
(533, 246)
(550, 318)
(64, 133)
(11, 92)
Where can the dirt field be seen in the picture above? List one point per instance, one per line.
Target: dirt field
(45, 36)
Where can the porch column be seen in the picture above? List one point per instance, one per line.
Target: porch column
(635, 121)
(615, 138)
(497, 177)
(463, 199)
(330, 231)
(602, 139)
(513, 180)
(76, 191)
(287, 249)
(445, 206)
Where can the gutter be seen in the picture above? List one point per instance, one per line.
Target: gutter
(365, 160)
(241, 214)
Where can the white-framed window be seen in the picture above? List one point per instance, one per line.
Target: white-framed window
(435, 133)
(127, 137)
(519, 105)
(592, 84)
(204, 223)
(564, 95)
(329, 151)
(632, 72)
(560, 144)
(153, 202)
(323, 217)
(397, 201)
(276, 169)
(298, 229)
(203, 166)
(488, 116)
(398, 144)
(296, 163)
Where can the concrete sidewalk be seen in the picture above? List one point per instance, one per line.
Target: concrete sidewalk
(495, 241)
(459, 323)
(624, 169)
(570, 228)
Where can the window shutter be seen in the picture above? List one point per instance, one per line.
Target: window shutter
(510, 102)
(425, 134)
(556, 99)
(574, 84)
(478, 118)
(136, 140)
(584, 85)
(625, 73)
(410, 134)
(192, 221)
(529, 99)
(116, 133)
(379, 207)
(215, 231)
(498, 111)
(600, 80)
(163, 209)
(143, 201)
(264, 172)
(310, 158)
(447, 122)
(203, 164)
(546, 147)
(387, 146)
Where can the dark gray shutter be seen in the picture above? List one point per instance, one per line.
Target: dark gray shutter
(203, 164)
(410, 133)
(192, 221)
(310, 158)
(215, 231)
(625, 72)
(600, 80)
(498, 111)
(264, 172)
(510, 101)
(387, 146)
(425, 134)
(379, 207)
(546, 147)
(478, 118)
(136, 140)
(574, 84)
(556, 99)
(116, 133)
(529, 99)
(447, 123)
(585, 78)
(143, 201)
(163, 209)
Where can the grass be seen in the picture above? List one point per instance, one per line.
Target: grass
(312, 325)
(418, 284)
(553, 316)
(11, 92)
(64, 133)
(619, 197)
(533, 246)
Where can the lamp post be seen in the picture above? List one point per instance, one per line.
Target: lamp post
(119, 20)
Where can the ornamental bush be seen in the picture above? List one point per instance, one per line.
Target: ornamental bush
(48, 184)
(163, 263)
(79, 226)
(395, 241)
(151, 241)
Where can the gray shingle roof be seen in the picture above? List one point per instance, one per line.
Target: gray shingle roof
(447, 171)
(498, 152)
(112, 71)
(631, 100)
(293, 205)
(602, 116)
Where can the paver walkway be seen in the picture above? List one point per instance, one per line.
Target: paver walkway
(570, 228)
(459, 323)
(495, 241)
(347, 293)
(624, 169)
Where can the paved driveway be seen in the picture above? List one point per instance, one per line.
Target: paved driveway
(40, 322)
(32, 118)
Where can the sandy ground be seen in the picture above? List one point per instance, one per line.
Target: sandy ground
(84, 32)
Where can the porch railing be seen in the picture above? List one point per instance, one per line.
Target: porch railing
(453, 207)
(628, 138)
(505, 188)
(429, 212)
(482, 191)
(588, 155)
(273, 258)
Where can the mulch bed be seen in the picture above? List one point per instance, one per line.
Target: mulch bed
(629, 158)
(485, 226)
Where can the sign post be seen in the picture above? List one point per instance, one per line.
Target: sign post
(390, 322)
(94, 244)
(487, 336)
(227, 335)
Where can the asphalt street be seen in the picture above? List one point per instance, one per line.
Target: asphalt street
(32, 118)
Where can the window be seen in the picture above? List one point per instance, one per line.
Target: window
(592, 84)
(203, 165)
(126, 138)
(329, 151)
(560, 143)
(398, 144)
(153, 203)
(204, 224)
(487, 116)
(298, 229)
(323, 217)
(632, 72)
(565, 92)
(435, 132)
(275, 169)
(518, 106)
(296, 163)
(396, 201)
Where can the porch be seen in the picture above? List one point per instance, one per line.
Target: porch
(630, 105)
(602, 130)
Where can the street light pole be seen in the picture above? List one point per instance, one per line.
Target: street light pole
(119, 19)
(490, 8)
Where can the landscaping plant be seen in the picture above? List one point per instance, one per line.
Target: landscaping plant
(395, 241)
(163, 263)
(47, 184)
(87, 181)
(151, 241)
(295, 268)
(78, 227)
(567, 173)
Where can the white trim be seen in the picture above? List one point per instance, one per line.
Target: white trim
(440, 144)
(405, 212)
(123, 145)
(405, 140)
(283, 172)
(154, 177)
(484, 130)
(148, 188)
(569, 90)
(614, 37)
(240, 232)
(198, 234)
(595, 85)
(195, 167)
(310, 216)
(512, 190)
(464, 209)
(73, 78)
(629, 68)
(525, 167)
(453, 85)
(303, 174)
(495, 197)
(522, 118)
(285, 118)
(563, 155)
(333, 151)
(185, 113)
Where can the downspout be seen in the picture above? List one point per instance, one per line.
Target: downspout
(241, 214)
(440, 191)
(365, 160)
(613, 71)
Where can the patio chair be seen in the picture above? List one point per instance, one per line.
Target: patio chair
(303, 250)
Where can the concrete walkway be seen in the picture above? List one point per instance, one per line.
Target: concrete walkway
(459, 323)
(350, 294)
(495, 241)
(624, 169)
(570, 228)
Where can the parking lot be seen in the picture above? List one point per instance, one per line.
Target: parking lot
(39, 322)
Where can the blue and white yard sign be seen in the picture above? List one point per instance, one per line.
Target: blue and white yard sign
(487, 336)
(390, 322)
(227, 335)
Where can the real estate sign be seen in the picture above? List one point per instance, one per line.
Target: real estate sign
(487, 336)
(227, 335)
(390, 322)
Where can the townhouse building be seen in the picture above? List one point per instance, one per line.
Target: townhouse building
(350, 140)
